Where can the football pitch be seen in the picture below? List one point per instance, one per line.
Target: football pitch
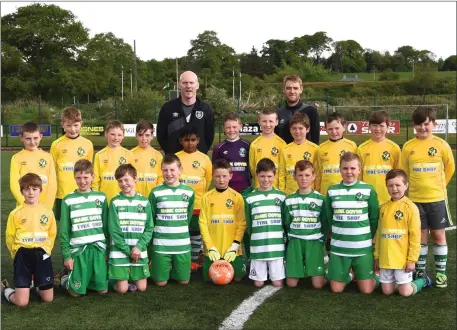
(205, 306)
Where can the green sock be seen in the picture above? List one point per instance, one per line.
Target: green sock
(440, 256)
(348, 279)
(422, 262)
(418, 284)
(111, 284)
(376, 278)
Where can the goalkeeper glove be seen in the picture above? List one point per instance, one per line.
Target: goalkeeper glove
(214, 254)
(230, 255)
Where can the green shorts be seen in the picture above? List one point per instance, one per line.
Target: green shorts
(238, 266)
(339, 266)
(125, 273)
(176, 266)
(304, 258)
(89, 271)
(193, 225)
(57, 208)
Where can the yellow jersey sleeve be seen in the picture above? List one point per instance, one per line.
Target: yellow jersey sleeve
(414, 233)
(10, 232)
(97, 172)
(203, 222)
(282, 172)
(15, 175)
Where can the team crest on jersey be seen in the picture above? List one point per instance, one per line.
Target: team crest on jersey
(185, 198)
(229, 203)
(242, 152)
(140, 208)
(152, 163)
(307, 155)
(359, 196)
(432, 151)
(199, 114)
(42, 163)
(175, 115)
(385, 155)
(312, 205)
(277, 201)
(44, 220)
(98, 203)
(76, 284)
(398, 215)
(274, 151)
(122, 161)
(342, 153)
(80, 152)
(195, 164)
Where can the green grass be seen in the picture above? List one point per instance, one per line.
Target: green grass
(205, 306)
(403, 75)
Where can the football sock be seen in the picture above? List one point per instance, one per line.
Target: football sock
(376, 278)
(111, 284)
(8, 293)
(64, 281)
(418, 284)
(440, 256)
(196, 245)
(421, 263)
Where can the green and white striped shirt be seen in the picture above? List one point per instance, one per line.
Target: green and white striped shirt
(263, 219)
(304, 216)
(84, 221)
(130, 225)
(172, 209)
(354, 212)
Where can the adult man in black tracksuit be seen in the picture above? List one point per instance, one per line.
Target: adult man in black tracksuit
(293, 88)
(184, 111)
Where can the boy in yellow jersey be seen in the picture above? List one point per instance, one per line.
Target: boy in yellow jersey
(33, 160)
(147, 160)
(379, 155)
(223, 222)
(196, 173)
(108, 160)
(66, 151)
(429, 163)
(329, 153)
(30, 234)
(398, 239)
(299, 149)
(268, 145)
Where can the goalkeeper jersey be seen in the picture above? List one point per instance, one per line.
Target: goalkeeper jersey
(30, 227)
(430, 165)
(172, 209)
(197, 173)
(290, 155)
(39, 162)
(106, 162)
(263, 147)
(130, 225)
(148, 163)
(65, 153)
(83, 221)
(304, 216)
(399, 234)
(263, 211)
(328, 162)
(222, 220)
(378, 158)
(353, 210)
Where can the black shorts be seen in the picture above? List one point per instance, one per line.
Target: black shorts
(33, 261)
(57, 208)
(434, 215)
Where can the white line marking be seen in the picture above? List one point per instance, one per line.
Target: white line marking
(240, 315)
(450, 228)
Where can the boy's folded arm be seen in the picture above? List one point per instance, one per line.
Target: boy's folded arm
(115, 231)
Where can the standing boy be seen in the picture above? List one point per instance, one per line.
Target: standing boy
(30, 234)
(83, 234)
(130, 228)
(66, 151)
(109, 159)
(379, 155)
(32, 159)
(268, 145)
(429, 163)
(263, 209)
(146, 159)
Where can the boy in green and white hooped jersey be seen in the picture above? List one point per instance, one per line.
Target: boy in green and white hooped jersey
(130, 228)
(172, 205)
(307, 229)
(263, 208)
(353, 209)
(82, 232)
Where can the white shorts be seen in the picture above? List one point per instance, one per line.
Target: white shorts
(262, 269)
(399, 276)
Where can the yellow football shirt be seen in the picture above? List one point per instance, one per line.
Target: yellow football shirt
(106, 162)
(263, 147)
(378, 158)
(430, 165)
(197, 173)
(39, 162)
(31, 227)
(65, 153)
(328, 162)
(148, 163)
(290, 155)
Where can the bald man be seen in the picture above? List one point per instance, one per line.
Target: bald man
(186, 111)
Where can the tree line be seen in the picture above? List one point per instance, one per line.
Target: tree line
(47, 53)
